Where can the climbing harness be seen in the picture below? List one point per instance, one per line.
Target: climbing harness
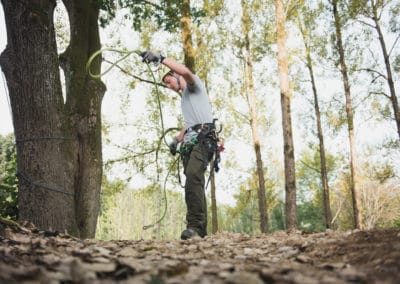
(208, 134)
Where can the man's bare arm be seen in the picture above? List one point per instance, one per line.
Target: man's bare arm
(179, 69)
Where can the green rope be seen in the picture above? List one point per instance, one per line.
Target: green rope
(98, 76)
(159, 102)
(165, 198)
(126, 53)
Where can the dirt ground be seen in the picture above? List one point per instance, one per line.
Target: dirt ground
(31, 256)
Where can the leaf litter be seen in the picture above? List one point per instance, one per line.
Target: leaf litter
(28, 255)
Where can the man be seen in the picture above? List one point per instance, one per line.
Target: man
(197, 138)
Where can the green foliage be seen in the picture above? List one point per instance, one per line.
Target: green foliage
(310, 217)
(396, 63)
(357, 7)
(336, 115)
(309, 194)
(382, 172)
(109, 8)
(245, 213)
(396, 224)
(165, 13)
(308, 172)
(108, 201)
(244, 217)
(277, 218)
(8, 179)
(394, 21)
(131, 210)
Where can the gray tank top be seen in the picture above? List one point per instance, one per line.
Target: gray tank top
(196, 107)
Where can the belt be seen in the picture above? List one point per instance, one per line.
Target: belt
(201, 126)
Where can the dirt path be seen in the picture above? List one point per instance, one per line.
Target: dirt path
(331, 257)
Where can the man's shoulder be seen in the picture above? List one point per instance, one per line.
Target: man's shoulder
(197, 81)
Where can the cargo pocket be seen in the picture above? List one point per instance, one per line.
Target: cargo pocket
(209, 147)
(198, 158)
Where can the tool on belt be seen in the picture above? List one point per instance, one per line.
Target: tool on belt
(203, 132)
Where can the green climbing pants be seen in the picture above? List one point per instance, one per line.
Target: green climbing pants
(195, 164)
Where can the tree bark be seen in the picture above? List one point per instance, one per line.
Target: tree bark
(58, 144)
(214, 213)
(324, 174)
(389, 79)
(83, 106)
(29, 62)
(252, 104)
(350, 121)
(186, 32)
(283, 70)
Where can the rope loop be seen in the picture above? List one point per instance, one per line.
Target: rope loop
(125, 53)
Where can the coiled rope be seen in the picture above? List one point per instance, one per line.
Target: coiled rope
(126, 54)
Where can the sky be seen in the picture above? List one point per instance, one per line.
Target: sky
(5, 111)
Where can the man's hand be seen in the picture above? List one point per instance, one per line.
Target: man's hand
(149, 56)
(173, 145)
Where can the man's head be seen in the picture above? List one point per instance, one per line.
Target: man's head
(172, 80)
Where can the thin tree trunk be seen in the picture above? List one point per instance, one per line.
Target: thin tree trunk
(350, 121)
(252, 103)
(83, 105)
(188, 50)
(389, 75)
(324, 174)
(283, 70)
(29, 62)
(214, 213)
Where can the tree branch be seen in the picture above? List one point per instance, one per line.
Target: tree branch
(242, 115)
(394, 44)
(308, 166)
(373, 71)
(380, 93)
(153, 4)
(365, 23)
(134, 76)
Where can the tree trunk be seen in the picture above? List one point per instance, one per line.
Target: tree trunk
(83, 105)
(29, 62)
(59, 145)
(283, 69)
(324, 174)
(186, 30)
(214, 213)
(252, 104)
(389, 75)
(350, 120)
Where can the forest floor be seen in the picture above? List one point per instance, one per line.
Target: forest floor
(32, 256)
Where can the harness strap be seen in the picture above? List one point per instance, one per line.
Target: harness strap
(201, 127)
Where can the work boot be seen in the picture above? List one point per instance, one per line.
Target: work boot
(189, 234)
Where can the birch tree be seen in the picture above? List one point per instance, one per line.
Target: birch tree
(369, 13)
(249, 93)
(307, 25)
(289, 161)
(356, 201)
